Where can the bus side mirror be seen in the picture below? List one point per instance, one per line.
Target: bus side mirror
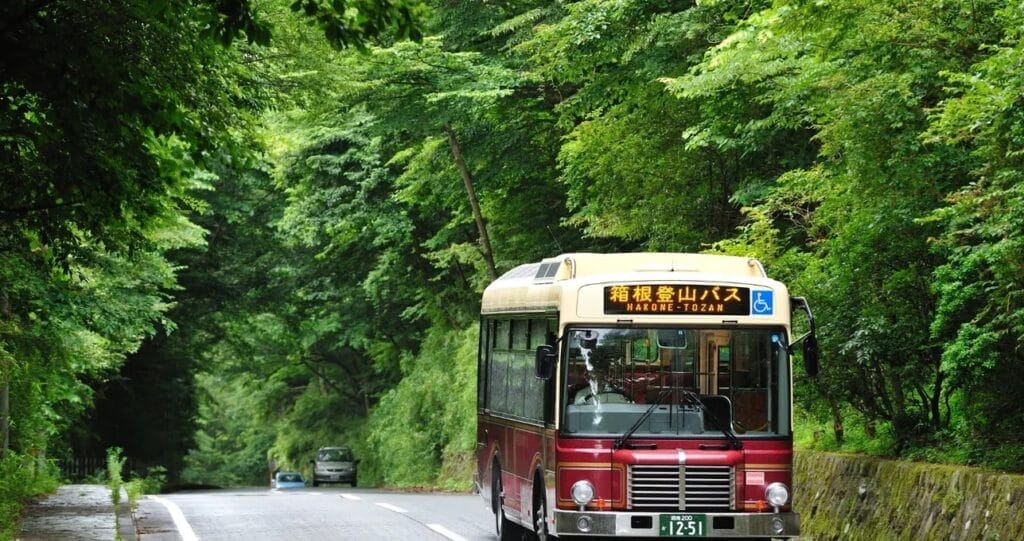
(810, 339)
(811, 355)
(544, 364)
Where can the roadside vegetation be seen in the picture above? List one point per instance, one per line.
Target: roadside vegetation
(22, 477)
(245, 235)
(137, 485)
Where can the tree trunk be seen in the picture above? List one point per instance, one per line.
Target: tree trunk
(485, 241)
(5, 424)
(936, 401)
(837, 422)
(835, 410)
(5, 388)
(902, 424)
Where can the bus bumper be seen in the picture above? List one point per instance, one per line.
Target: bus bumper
(639, 524)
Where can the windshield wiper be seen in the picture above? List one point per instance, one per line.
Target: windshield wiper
(657, 402)
(695, 400)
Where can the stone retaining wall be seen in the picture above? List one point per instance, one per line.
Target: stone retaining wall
(855, 498)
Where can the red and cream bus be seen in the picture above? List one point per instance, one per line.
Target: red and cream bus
(639, 395)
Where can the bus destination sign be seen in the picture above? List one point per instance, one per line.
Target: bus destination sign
(677, 299)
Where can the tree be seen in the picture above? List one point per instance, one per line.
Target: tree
(980, 313)
(110, 115)
(860, 78)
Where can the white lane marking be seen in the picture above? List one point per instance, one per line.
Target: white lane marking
(446, 532)
(184, 529)
(394, 508)
(352, 497)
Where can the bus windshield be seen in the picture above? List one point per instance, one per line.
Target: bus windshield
(706, 380)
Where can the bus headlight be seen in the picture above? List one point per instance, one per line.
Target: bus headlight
(582, 493)
(777, 494)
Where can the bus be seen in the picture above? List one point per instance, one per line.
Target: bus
(639, 395)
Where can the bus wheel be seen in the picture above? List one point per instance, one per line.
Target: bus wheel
(502, 525)
(540, 511)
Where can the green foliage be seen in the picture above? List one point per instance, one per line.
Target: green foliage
(153, 482)
(231, 445)
(631, 165)
(21, 477)
(860, 79)
(860, 435)
(422, 422)
(363, 20)
(134, 487)
(866, 151)
(278, 222)
(980, 312)
(112, 117)
(115, 474)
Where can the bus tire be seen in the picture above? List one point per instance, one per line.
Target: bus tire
(502, 525)
(540, 510)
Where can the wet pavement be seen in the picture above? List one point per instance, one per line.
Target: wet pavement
(77, 513)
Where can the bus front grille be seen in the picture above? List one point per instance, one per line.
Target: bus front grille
(680, 488)
(709, 488)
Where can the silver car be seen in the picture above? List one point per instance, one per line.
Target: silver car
(334, 465)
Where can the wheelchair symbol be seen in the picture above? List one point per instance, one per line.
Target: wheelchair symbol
(763, 303)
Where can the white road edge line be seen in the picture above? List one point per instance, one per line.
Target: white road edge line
(446, 532)
(351, 497)
(184, 529)
(394, 508)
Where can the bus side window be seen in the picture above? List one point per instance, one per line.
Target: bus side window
(642, 350)
(534, 388)
(500, 361)
(521, 371)
(487, 330)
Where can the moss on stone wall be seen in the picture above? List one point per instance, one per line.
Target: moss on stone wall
(854, 498)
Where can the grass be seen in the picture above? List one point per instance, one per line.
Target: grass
(953, 445)
(152, 483)
(818, 435)
(22, 477)
(115, 465)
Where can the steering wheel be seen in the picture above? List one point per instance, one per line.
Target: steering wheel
(742, 428)
(611, 396)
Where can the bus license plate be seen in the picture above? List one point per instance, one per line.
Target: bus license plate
(683, 525)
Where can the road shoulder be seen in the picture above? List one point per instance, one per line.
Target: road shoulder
(75, 512)
(153, 521)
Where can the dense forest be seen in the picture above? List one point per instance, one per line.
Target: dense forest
(237, 230)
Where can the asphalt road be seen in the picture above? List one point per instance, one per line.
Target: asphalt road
(313, 514)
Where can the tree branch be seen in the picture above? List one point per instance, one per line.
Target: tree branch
(27, 13)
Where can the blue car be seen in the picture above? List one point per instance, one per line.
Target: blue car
(288, 479)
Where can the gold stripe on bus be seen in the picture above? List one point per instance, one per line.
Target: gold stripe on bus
(592, 465)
